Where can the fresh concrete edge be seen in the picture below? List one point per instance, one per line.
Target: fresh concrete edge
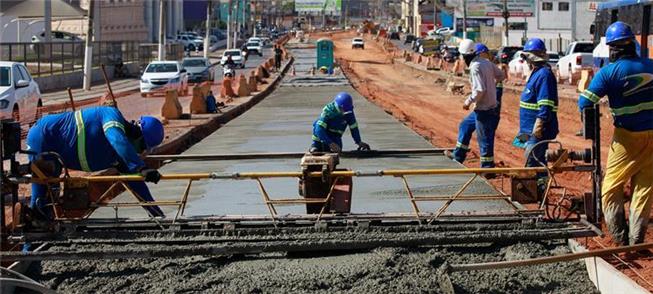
(199, 132)
(605, 277)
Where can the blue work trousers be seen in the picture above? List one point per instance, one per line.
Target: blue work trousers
(486, 126)
(467, 127)
(535, 155)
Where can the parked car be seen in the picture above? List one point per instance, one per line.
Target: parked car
(554, 57)
(198, 69)
(505, 54)
(256, 47)
(75, 48)
(577, 57)
(162, 75)
(254, 39)
(190, 42)
(236, 56)
(444, 31)
(20, 97)
(357, 43)
(517, 65)
(409, 39)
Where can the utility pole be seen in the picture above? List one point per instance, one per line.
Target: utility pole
(435, 14)
(236, 25)
(88, 51)
(207, 43)
(465, 19)
(162, 31)
(506, 15)
(47, 18)
(229, 24)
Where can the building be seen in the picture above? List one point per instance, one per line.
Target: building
(22, 19)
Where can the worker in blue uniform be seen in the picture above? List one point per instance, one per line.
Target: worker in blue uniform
(628, 83)
(334, 120)
(90, 140)
(467, 126)
(538, 106)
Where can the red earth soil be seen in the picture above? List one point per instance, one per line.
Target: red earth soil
(420, 101)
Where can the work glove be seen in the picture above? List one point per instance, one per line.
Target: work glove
(538, 128)
(335, 148)
(362, 146)
(151, 175)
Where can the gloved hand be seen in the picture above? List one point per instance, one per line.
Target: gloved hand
(335, 148)
(538, 128)
(362, 146)
(151, 175)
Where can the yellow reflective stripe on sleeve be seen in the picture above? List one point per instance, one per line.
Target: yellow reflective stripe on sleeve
(354, 125)
(546, 102)
(462, 146)
(526, 105)
(113, 124)
(632, 109)
(81, 141)
(533, 106)
(322, 124)
(500, 85)
(316, 138)
(590, 96)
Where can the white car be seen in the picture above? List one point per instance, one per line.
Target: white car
(517, 65)
(20, 97)
(191, 43)
(253, 46)
(160, 76)
(254, 39)
(577, 58)
(236, 56)
(357, 43)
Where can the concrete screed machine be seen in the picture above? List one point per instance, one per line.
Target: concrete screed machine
(325, 189)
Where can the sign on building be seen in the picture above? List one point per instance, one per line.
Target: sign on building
(318, 6)
(494, 8)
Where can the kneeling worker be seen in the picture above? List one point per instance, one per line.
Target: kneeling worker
(90, 140)
(335, 117)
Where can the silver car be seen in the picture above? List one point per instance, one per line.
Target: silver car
(198, 69)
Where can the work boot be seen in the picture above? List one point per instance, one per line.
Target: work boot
(580, 133)
(313, 149)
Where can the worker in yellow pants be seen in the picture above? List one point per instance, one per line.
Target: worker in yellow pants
(630, 158)
(628, 83)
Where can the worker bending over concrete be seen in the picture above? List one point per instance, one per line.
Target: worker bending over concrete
(91, 140)
(483, 78)
(628, 83)
(538, 107)
(468, 126)
(334, 119)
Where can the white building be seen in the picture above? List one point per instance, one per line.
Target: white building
(558, 22)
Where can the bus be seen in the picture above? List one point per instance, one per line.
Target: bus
(636, 13)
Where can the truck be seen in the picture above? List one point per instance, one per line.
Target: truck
(577, 57)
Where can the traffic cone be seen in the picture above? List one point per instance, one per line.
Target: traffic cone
(419, 58)
(243, 88)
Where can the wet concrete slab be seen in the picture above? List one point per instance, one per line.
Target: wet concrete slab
(283, 123)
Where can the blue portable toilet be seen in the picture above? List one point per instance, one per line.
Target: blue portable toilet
(324, 53)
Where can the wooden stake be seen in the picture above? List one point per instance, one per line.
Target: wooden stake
(70, 96)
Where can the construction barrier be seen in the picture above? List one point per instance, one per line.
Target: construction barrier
(171, 108)
(227, 91)
(243, 88)
(252, 82)
(198, 103)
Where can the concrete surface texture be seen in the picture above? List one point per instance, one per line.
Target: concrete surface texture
(384, 270)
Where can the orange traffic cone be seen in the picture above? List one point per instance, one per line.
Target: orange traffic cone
(252, 82)
(243, 88)
(226, 91)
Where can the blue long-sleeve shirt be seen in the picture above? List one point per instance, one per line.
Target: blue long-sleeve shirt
(332, 124)
(539, 100)
(628, 82)
(92, 139)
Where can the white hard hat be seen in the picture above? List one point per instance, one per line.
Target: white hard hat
(466, 47)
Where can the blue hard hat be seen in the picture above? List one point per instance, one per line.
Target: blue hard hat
(152, 130)
(618, 31)
(344, 102)
(534, 44)
(480, 48)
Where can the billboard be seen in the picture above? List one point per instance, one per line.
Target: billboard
(494, 8)
(318, 6)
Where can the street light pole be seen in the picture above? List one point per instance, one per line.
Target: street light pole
(465, 19)
(207, 34)
(162, 31)
(88, 51)
(506, 15)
